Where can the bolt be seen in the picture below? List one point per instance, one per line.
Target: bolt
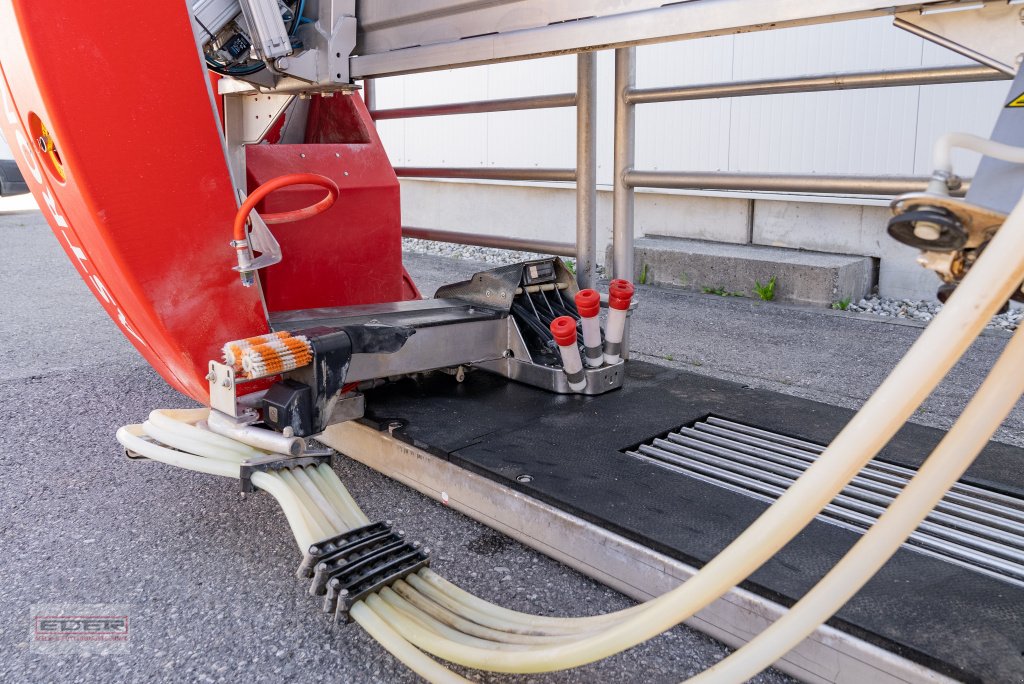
(314, 550)
(925, 230)
(211, 376)
(335, 583)
(225, 383)
(524, 479)
(44, 143)
(343, 592)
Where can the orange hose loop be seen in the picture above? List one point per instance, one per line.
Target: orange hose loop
(257, 196)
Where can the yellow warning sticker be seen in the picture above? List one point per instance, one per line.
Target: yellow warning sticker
(1017, 101)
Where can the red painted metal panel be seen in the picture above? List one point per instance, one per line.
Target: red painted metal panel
(352, 253)
(145, 211)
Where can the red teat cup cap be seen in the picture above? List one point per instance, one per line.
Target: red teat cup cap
(620, 292)
(588, 303)
(564, 330)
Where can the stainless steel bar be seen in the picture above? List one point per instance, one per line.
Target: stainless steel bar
(945, 513)
(1005, 505)
(625, 150)
(947, 541)
(494, 241)
(436, 43)
(488, 173)
(370, 95)
(586, 169)
(479, 107)
(777, 182)
(819, 82)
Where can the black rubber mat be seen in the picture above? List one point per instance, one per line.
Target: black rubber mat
(949, 618)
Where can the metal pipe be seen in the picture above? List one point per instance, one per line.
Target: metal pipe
(480, 106)
(488, 173)
(625, 148)
(586, 169)
(564, 249)
(777, 182)
(370, 95)
(816, 83)
(260, 438)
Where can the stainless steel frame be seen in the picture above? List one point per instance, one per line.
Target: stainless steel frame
(584, 175)
(494, 241)
(626, 178)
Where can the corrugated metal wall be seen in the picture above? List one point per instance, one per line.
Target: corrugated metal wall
(881, 131)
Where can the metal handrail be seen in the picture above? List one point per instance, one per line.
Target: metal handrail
(488, 173)
(780, 182)
(478, 107)
(818, 83)
(565, 249)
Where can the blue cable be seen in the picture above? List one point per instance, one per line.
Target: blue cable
(299, 19)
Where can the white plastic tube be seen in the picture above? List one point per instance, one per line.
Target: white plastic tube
(344, 495)
(564, 330)
(998, 271)
(944, 146)
(620, 294)
(412, 657)
(993, 401)
(334, 521)
(588, 304)
(130, 437)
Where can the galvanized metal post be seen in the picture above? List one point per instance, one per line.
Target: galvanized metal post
(586, 168)
(622, 193)
(370, 95)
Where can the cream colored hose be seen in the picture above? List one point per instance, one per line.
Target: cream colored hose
(994, 400)
(996, 274)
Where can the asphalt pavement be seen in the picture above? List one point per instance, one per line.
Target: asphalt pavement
(208, 579)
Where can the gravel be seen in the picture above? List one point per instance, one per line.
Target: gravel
(925, 311)
(886, 308)
(488, 255)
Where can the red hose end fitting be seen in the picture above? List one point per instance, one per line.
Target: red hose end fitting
(588, 303)
(620, 292)
(564, 330)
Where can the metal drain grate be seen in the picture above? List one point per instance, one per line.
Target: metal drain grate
(973, 527)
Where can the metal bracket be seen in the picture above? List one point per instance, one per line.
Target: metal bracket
(350, 566)
(223, 397)
(991, 33)
(274, 462)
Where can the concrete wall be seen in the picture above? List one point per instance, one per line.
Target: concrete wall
(547, 212)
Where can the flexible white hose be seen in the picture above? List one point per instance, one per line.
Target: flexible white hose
(490, 615)
(998, 271)
(412, 657)
(129, 437)
(993, 401)
(942, 151)
(334, 521)
(398, 604)
(183, 422)
(319, 525)
(536, 623)
(350, 503)
(456, 621)
(290, 504)
(331, 492)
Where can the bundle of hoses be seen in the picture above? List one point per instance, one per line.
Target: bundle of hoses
(426, 614)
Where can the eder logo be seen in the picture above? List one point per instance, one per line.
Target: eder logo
(81, 628)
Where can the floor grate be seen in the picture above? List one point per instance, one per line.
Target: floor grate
(972, 527)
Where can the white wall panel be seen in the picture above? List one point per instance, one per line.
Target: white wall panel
(878, 131)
